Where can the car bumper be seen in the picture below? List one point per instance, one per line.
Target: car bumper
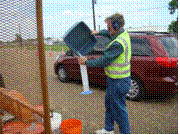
(161, 86)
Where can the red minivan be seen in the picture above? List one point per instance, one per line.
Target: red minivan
(154, 64)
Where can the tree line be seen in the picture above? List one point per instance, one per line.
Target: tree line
(173, 7)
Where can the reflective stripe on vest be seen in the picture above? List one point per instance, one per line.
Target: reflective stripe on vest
(118, 72)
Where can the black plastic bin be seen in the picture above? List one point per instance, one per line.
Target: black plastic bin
(79, 38)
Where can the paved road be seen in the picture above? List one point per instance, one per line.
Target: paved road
(20, 72)
(149, 116)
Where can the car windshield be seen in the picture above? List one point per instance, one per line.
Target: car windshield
(171, 45)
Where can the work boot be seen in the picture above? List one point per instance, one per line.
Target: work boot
(103, 131)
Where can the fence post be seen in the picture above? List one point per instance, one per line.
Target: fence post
(42, 66)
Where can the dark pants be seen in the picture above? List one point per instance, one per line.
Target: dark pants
(115, 103)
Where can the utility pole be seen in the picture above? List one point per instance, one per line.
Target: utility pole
(94, 2)
(19, 32)
(99, 22)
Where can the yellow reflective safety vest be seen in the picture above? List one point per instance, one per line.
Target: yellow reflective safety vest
(121, 66)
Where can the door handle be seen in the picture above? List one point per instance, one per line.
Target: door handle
(92, 58)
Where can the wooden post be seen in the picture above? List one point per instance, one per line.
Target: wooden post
(42, 66)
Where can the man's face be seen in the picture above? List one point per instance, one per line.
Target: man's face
(110, 28)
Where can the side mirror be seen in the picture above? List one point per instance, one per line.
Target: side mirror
(69, 53)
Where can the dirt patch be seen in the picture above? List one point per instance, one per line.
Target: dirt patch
(149, 116)
(20, 71)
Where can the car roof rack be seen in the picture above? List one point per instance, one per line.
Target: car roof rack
(148, 32)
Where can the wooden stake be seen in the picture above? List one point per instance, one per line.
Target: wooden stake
(42, 66)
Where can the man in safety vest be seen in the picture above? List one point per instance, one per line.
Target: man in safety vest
(116, 63)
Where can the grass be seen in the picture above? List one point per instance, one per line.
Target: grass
(34, 47)
(56, 48)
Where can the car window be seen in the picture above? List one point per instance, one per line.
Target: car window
(100, 46)
(140, 47)
(171, 45)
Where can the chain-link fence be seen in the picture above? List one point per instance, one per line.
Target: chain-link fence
(19, 64)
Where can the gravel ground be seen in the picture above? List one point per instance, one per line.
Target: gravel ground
(149, 116)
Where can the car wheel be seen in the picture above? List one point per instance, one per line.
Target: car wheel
(62, 74)
(137, 90)
(2, 82)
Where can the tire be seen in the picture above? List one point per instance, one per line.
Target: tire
(62, 74)
(137, 91)
(2, 82)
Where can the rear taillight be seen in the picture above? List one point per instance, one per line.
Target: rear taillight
(174, 62)
(167, 62)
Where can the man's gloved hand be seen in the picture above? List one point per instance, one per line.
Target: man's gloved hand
(94, 32)
(82, 61)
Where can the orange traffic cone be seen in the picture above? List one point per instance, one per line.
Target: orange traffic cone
(36, 53)
(50, 55)
(25, 50)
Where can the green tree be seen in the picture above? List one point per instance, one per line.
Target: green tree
(173, 27)
(30, 39)
(56, 42)
(173, 6)
(18, 37)
(48, 38)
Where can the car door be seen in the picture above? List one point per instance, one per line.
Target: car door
(143, 60)
(71, 65)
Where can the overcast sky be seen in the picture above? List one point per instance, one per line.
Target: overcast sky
(60, 15)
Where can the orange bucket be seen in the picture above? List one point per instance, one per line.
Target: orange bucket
(71, 126)
(13, 127)
(19, 127)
